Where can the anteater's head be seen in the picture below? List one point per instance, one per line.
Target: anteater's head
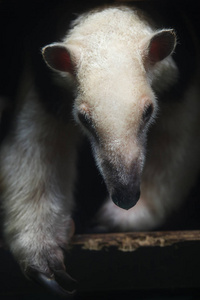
(116, 59)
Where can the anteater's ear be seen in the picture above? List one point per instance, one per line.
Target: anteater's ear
(161, 45)
(59, 58)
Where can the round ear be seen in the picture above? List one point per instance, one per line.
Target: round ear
(161, 45)
(58, 58)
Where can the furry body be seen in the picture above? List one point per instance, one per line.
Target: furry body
(117, 70)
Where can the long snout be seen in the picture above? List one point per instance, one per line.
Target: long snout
(123, 183)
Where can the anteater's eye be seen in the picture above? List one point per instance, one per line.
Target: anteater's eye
(147, 113)
(85, 120)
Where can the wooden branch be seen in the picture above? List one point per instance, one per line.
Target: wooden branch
(135, 261)
(131, 241)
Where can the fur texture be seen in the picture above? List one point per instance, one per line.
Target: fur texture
(118, 62)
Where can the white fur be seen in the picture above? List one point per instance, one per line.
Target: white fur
(113, 85)
(171, 168)
(37, 160)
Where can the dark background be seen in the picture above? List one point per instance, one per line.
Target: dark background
(25, 27)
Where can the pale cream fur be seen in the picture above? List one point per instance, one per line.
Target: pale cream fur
(171, 168)
(37, 161)
(114, 86)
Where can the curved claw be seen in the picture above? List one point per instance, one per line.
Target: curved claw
(56, 282)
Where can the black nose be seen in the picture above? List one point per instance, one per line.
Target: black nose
(126, 198)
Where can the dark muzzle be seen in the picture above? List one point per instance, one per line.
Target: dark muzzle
(125, 198)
